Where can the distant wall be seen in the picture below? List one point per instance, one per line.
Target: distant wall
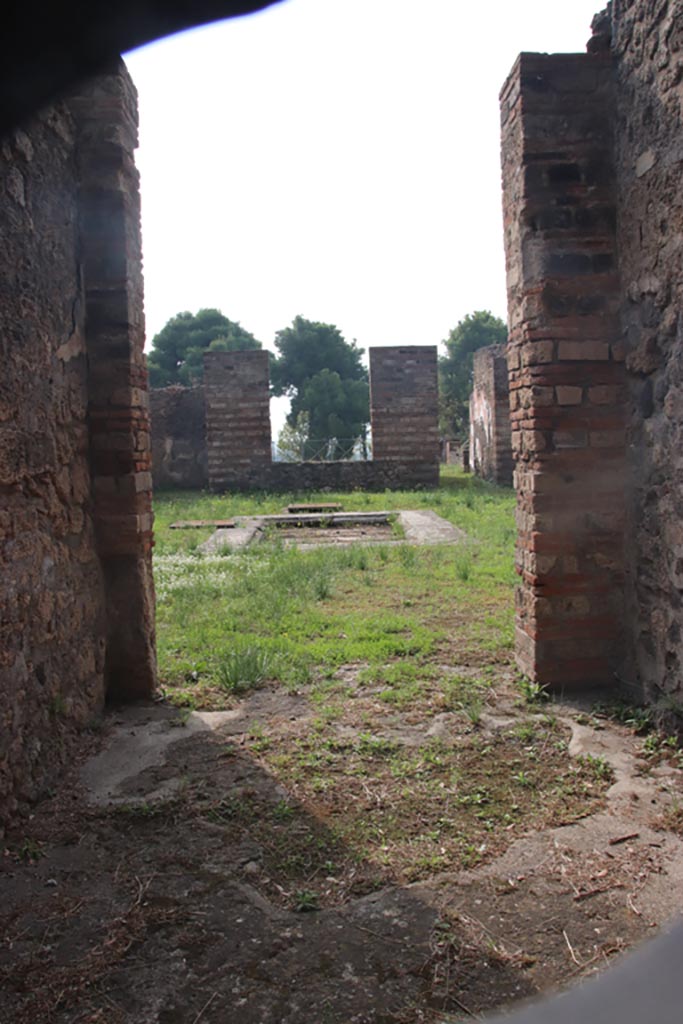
(490, 433)
(404, 404)
(179, 457)
(234, 451)
(237, 397)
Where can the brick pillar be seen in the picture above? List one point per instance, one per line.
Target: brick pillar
(105, 110)
(237, 396)
(490, 435)
(404, 404)
(565, 365)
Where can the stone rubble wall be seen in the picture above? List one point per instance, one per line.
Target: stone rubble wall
(648, 47)
(490, 433)
(65, 432)
(179, 456)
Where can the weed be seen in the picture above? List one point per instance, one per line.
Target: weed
(305, 901)
(244, 668)
(283, 811)
(406, 556)
(533, 692)
(462, 561)
(473, 709)
(30, 851)
(597, 766)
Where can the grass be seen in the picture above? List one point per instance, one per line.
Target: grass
(366, 634)
(312, 611)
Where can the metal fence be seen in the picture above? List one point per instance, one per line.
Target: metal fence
(329, 449)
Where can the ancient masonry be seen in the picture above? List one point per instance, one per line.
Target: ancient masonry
(403, 397)
(593, 204)
(236, 391)
(592, 166)
(237, 453)
(490, 449)
(179, 456)
(76, 593)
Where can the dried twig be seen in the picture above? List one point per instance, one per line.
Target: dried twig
(204, 1008)
(571, 950)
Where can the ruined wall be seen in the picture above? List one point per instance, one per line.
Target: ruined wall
(236, 389)
(236, 393)
(566, 366)
(65, 292)
(179, 457)
(490, 434)
(404, 404)
(648, 46)
(52, 606)
(593, 167)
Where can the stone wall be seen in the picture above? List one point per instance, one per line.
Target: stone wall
(490, 434)
(68, 299)
(648, 45)
(179, 456)
(404, 404)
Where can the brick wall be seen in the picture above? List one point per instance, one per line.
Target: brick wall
(404, 404)
(490, 434)
(118, 403)
(566, 365)
(236, 393)
(179, 457)
(69, 299)
(238, 437)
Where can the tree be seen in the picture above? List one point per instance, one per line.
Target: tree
(291, 441)
(475, 331)
(323, 375)
(178, 349)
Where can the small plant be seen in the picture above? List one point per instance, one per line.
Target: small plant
(463, 563)
(598, 766)
(533, 693)
(283, 811)
(473, 709)
(57, 706)
(30, 851)
(245, 668)
(522, 779)
(406, 556)
(305, 901)
(322, 587)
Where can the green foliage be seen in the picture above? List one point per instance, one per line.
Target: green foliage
(291, 441)
(476, 331)
(178, 349)
(325, 378)
(244, 668)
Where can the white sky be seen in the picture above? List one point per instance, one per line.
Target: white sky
(337, 159)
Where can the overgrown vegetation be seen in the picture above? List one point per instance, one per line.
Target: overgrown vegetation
(313, 611)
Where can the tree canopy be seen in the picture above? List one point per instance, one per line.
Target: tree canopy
(475, 331)
(178, 349)
(323, 375)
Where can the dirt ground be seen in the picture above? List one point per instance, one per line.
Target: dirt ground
(153, 886)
